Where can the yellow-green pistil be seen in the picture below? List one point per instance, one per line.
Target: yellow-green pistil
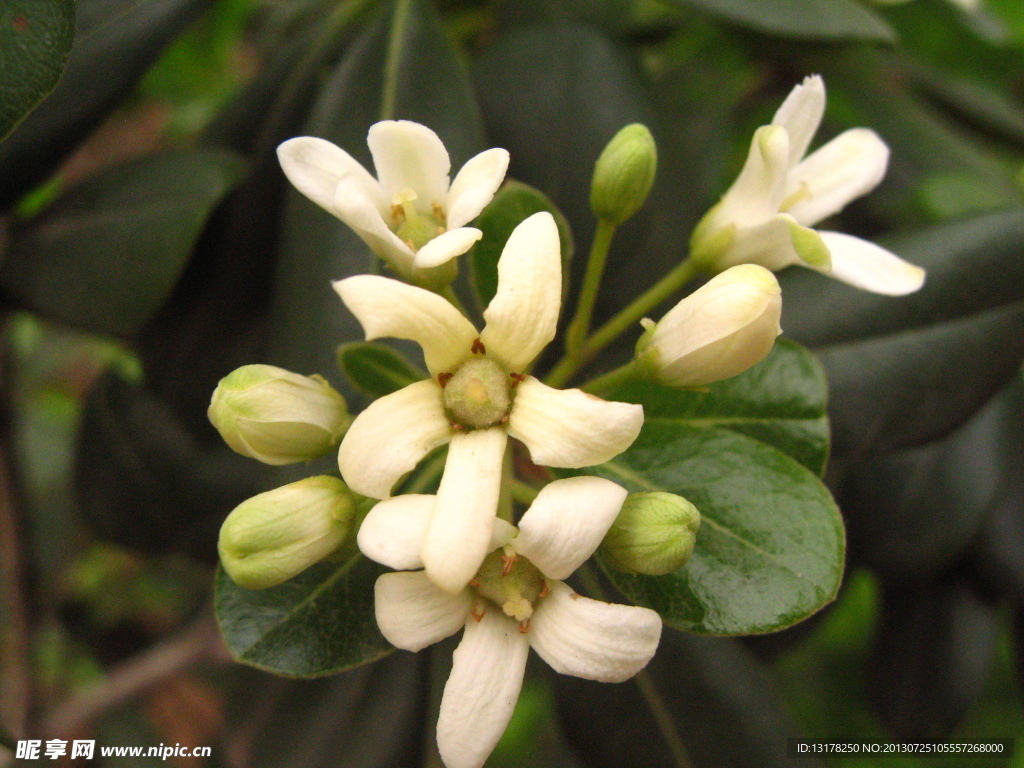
(412, 227)
(512, 583)
(478, 394)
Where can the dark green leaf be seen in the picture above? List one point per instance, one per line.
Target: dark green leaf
(371, 717)
(381, 76)
(318, 623)
(818, 19)
(913, 512)
(934, 649)
(771, 543)
(909, 388)
(780, 401)
(145, 483)
(707, 695)
(375, 369)
(514, 202)
(35, 39)
(115, 42)
(106, 255)
(973, 265)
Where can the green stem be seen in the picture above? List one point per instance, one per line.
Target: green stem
(449, 293)
(390, 95)
(522, 492)
(580, 325)
(574, 360)
(612, 379)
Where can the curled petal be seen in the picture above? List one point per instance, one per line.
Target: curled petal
(475, 185)
(408, 155)
(870, 267)
(391, 436)
(523, 314)
(387, 307)
(412, 613)
(481, 693)
(446, 247)
(566, 523)
(849, 166)
(759, 189)
(800, 114)
(467, 501)
(593, 640)
(359, 212)
(393, 531)
(315, 166)
(570, 428)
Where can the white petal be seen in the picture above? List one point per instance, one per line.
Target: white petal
(315, 166)
(849, 166)
(387, 307)
(392, 533)
(871, 267)
(570, 428)
(475, 185)
(757, 192)
(467, 501)
(446, 247)
(481, 694)
(408, 155)
(523, 314)
(389, 438)
(566, 523)
(359, 212)
(801, 113)
(590, 639)
(412, 613)
(774, 244)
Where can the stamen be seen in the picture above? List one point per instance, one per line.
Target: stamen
(524, 626)
(478, 610)
(443, 378)
(516, 378)
(478, 348)
(507, 562)
(545, 590)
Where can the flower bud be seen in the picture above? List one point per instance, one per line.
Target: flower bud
(624, 174)
(718, 331)
(276, 416)
(654, 534)
(276, 535)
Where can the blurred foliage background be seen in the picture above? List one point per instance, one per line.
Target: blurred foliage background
(150, 245)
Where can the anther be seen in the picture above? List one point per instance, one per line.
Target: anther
(474, 582)
(545, 590)
(456, 427)
(516, 378)
(478, 610)
(524, 626)
(504, 419)
(443, 378)
(478, 348)
(507, 562)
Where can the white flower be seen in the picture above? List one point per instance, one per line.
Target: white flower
(723, 328)
(516, 602)
(478, 396)
(765, 217)
(409, 215)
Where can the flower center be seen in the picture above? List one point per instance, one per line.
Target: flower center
(412, 227)
(511, 582)
(479, 394)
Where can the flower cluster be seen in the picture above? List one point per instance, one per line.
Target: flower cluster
(462, 561)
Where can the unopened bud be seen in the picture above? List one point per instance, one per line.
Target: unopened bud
(654, 534)
(624, 174)
(276, 416)
(721, 329)
(276, 535)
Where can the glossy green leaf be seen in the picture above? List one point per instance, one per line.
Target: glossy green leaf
(817, 19)
(381, 76)
(771, 544)
(701, 701)
(318, 623)
(911, 387)
(973, 265)
(115, 42)
(514, 202)
(35, 39)
(780, 401)
(377, 370)
(106, 255)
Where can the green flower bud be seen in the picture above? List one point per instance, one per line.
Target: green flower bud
(654, 534)
(624, 174)
(276, 416)
(276, 535)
